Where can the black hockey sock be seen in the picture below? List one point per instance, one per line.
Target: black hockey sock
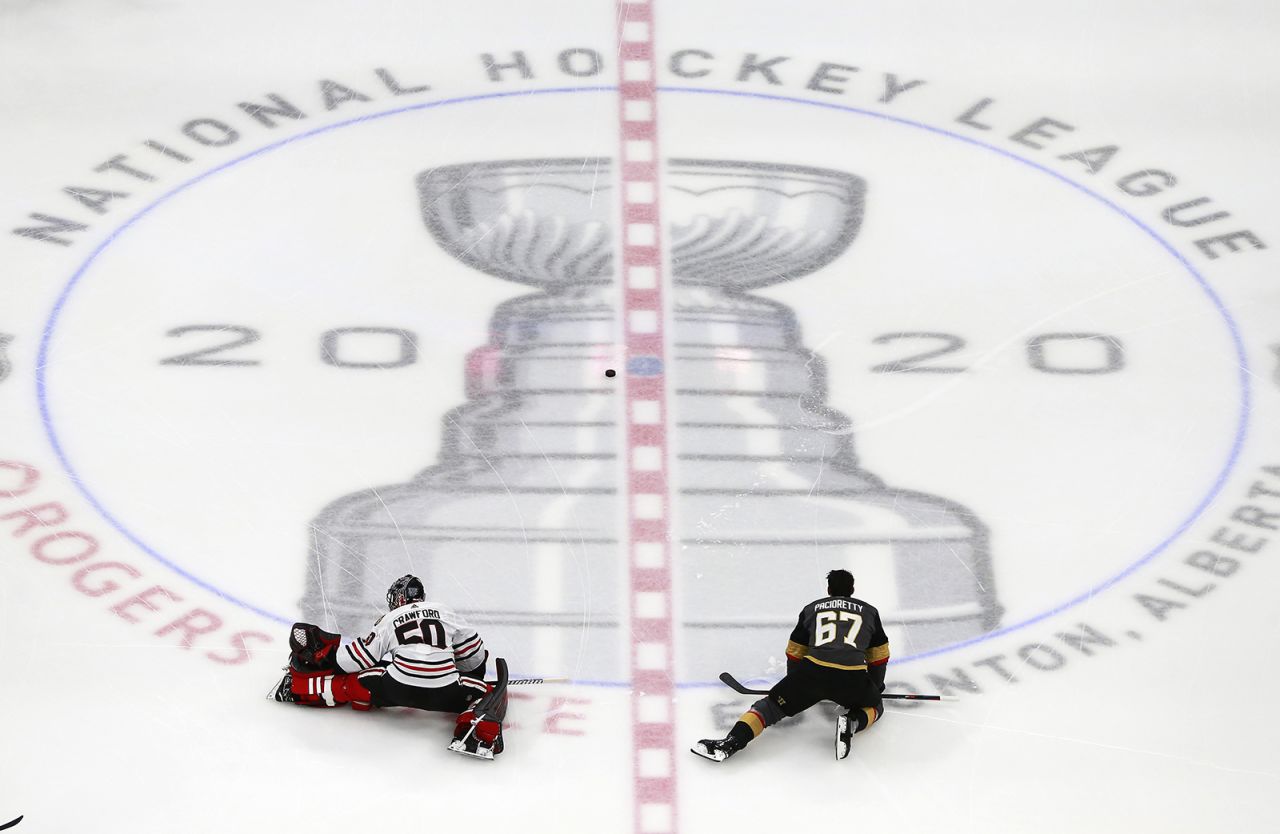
(742, 733)
(864, 717)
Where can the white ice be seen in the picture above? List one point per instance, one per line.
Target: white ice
(1056, 509)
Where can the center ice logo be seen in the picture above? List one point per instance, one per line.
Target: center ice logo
(767, 482)
(277, 333)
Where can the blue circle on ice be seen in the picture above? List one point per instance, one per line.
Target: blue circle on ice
(644, 366)
(648, 365)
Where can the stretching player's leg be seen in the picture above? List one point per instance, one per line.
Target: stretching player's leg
(790, 696)
(478, 731)
(481, 707)
(313, 678)
(851, 722)
(863, 707)
(329, 689)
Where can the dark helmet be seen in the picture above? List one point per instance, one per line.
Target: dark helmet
(405, 590)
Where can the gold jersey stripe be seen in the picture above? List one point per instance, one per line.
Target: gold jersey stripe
(813, 659)
(796, 650)
(878, 653)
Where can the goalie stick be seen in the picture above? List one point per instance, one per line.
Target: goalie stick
(732, 682)
(271, 696)
(529, 681)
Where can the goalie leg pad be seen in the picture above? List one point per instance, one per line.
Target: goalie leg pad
(478, 731)
(350, 689)
(486, 712)
(486, 729)
(494, 703)
(321, 689)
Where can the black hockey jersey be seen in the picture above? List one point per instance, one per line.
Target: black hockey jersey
(839, 632)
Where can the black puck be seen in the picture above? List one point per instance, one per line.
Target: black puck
(611, 373)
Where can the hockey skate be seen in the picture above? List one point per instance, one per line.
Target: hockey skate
(845, 728)
(478, 732)
(472, 745)
(717, 749)
(283, 691)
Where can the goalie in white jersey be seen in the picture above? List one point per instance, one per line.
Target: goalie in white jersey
(417, 655)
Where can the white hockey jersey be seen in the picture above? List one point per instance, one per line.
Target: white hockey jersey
(419, 644)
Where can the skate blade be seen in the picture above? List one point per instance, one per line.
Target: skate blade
(701, 751)
(273, 694)
(842, 743)
(460, 747)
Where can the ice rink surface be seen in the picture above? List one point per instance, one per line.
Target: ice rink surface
(978, 301)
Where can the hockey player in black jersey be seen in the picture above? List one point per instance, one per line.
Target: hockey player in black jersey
(838, 652)
(419, 655)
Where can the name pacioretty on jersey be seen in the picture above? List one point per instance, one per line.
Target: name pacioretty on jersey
(847, 604)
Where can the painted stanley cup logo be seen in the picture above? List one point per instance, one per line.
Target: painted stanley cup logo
(520, 523)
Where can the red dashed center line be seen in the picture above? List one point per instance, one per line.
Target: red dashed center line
(648, 492)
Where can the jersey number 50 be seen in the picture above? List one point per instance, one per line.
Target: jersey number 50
(829, 623)
(422, 631)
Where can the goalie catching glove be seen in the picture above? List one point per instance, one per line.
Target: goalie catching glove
(312, 677)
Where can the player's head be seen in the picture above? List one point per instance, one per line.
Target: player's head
(405, 590)
(840, 583)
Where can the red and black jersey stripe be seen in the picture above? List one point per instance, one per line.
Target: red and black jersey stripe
(360, 654)
(424, 670)
(468, 648)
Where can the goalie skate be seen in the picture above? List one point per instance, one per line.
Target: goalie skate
(283, 691)
(482, 738)
(476, 748)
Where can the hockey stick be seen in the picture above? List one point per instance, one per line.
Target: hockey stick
(527, 681)
(515, 682)
(732, 682)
